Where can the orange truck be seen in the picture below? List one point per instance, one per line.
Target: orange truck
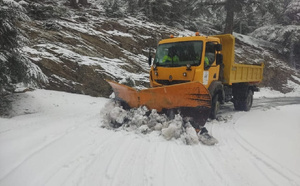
(193, 76)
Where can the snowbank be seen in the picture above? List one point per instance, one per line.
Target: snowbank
(269, 93)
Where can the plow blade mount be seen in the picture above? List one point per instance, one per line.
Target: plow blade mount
(192, 99)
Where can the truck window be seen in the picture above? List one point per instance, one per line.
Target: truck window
(179, 54)
(210, 54)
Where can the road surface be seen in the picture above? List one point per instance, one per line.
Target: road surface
(57, 139)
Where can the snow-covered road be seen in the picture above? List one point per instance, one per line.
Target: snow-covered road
(56, 138)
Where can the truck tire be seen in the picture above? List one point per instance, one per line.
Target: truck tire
(215, 106)
(244, 104)
(124, 105)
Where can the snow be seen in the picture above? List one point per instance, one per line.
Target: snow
(111, 66)
(57, 138)
(276, 33)
(267, 92)
(283, 134)
(118, 33)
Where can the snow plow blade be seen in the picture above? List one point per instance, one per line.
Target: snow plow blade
(192, 99)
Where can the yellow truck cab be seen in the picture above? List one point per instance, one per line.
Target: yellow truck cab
(208, 60)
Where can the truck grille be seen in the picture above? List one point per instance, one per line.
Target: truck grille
(167, 82)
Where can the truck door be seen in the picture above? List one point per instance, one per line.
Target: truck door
(211, 70)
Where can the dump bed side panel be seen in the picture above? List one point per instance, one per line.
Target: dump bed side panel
(246, 73)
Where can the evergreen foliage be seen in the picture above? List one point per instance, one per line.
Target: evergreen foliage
(113, 8)
(248, 14)
(14, 67)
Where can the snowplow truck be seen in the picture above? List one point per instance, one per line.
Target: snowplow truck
(193, 76)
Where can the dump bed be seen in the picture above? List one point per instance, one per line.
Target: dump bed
(237, 73)
(245, 73)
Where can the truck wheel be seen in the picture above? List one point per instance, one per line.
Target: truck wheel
(171, 114)
(124, 105)
(215, 106)
(244, 104)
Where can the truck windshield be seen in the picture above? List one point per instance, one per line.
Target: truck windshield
(179, 54)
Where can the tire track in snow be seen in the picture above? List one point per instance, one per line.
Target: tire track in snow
(36, 151)
(266, 160)
(83, 159)
(198, 167)
(130, 156)
(94, 168)
(138, 157)
(237, 163)
(227, 148)
(141, 165)
(156, 163)
(213, 169)
(164, 165)
(175, 163)
(128, 162)
(149, 173)
(229, 136)
(72, 131)
(111, 166)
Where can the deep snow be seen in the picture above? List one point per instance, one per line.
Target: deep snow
(57, 138)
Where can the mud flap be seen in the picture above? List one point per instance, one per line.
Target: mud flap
(192, 99)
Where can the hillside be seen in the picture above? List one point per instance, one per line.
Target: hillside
(58, 125)
(77, 49)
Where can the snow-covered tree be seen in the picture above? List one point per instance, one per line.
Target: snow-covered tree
(74, 3)
(293, 11)
(113, 8)
(14, 67)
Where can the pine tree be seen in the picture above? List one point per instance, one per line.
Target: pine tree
(14, 68)
(113, 8)
(132, 7)
(293, 11)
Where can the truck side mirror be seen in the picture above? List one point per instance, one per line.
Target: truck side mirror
(150, 60)
(218, 47)
(219, 59)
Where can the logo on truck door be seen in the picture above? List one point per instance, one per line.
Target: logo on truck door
(205, 77)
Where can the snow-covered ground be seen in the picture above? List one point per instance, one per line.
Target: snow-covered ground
(57, 138)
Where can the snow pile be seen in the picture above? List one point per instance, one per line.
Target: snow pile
(143, 121)
(267, 92)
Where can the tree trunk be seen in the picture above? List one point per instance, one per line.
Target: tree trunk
(83, 2)
(73, 3)
(229, 7)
